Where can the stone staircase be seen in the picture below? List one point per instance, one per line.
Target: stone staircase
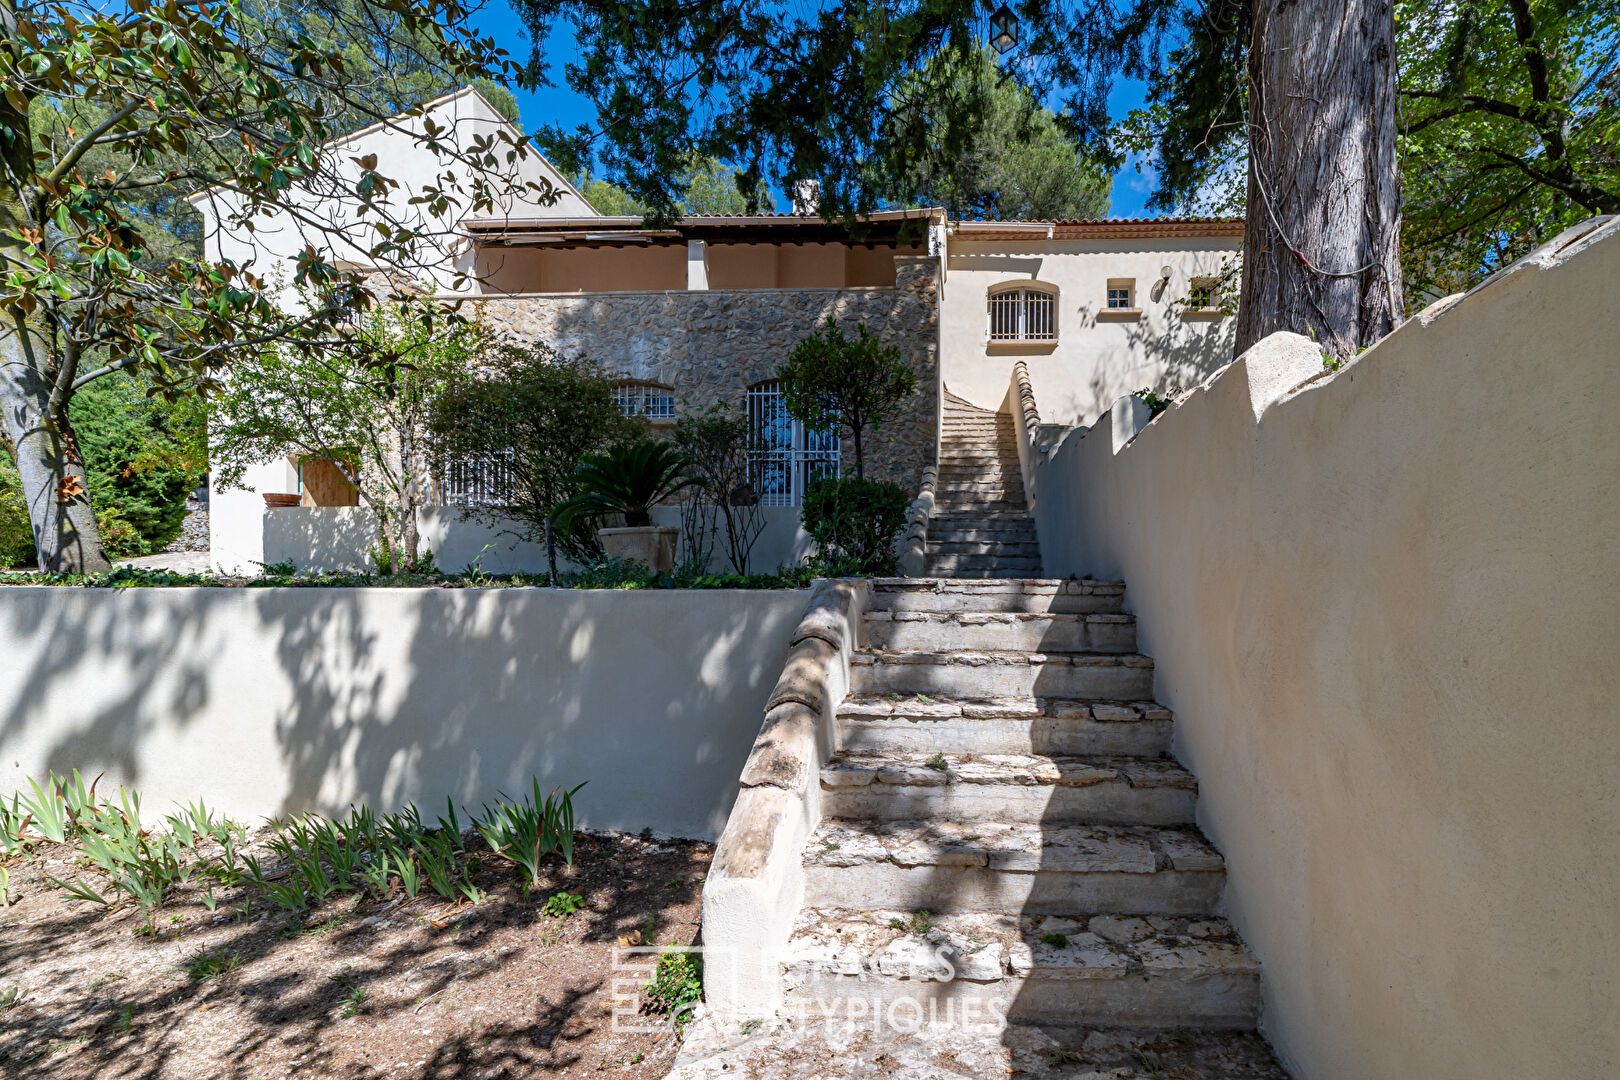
(981, 526)
(1003, 828)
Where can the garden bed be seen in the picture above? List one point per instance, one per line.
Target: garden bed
(361, 985)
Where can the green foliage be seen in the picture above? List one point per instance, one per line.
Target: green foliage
(562, 904)
(114, 114)
(210, 963)
(16, 534)
(143, 455)
(938, 763)
(1157, 402)
(532, 415)
(1511, 130)
(528, 831)
(830, 380)
(1016, 162)
(363, 405)
(854, 523)
(921, 924)
(628, 480)
(1057, 941)
(707, 186)
(676, 986)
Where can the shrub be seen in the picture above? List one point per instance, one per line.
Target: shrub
(629, 480)
(16, 534)
(854, 523)
(716, 443)
(141, 461)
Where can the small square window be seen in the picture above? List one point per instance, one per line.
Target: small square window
(1201, 297)
(1121, 293)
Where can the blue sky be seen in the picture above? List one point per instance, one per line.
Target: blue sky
(558, 104)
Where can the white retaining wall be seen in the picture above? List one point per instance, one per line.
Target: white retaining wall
(274, 701)
(1385, 606)
(340, 538)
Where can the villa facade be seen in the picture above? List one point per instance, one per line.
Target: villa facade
(703, 311)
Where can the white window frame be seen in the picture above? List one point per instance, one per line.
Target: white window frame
(1125, 286)
(783, 456)
(637, 397)
(1203, 284)
(1021, 312)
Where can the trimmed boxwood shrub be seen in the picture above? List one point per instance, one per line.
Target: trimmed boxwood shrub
(854, 523)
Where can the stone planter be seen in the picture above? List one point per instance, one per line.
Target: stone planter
(653, 545)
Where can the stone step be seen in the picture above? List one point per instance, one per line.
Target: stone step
(956, 502)
(1021, 594)
(1007, 545)
(946, 541)
(1014, 725)
(1029, 564)
(978, 472)
(1090, 676)
(1032, 788)
(947, 866)
(1007, 489)
(1033, 631)
(1090, 970)
(985, 523)
(987, 575)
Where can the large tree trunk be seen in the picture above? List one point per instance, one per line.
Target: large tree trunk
(53, 484)
(1321, 251)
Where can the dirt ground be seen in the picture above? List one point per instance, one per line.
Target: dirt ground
(355, 989)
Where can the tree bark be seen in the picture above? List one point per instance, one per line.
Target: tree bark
(66, 539)
(53, 485)
(1321, 252)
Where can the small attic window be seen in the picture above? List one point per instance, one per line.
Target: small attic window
(1023, 312)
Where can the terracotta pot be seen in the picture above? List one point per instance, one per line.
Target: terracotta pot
(653, 545)
(275, 499)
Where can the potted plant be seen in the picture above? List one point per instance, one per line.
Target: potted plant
(628, 480)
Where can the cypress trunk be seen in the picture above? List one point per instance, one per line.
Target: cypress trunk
(1321, 252)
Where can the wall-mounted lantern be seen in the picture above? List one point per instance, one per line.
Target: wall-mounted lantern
(1003, 29)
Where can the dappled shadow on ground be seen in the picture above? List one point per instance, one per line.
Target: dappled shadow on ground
(418, 990)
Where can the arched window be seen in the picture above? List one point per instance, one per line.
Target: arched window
(783, 456)
(655, 401)
(1023, 311)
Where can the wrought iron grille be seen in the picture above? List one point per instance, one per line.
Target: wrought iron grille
(783, 455)
(1023, 315)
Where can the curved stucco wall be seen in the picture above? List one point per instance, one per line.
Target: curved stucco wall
(276, 701)
(1386, 610)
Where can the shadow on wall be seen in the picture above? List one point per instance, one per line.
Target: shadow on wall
(1184, 352)
(275, 701)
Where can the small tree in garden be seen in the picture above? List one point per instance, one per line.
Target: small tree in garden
(830, 379)
(716, 444)
(364, 406)
(532, 415)
(113, 112)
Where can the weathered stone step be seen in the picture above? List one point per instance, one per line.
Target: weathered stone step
(1011, 725)
(1022, 594)
(1009, 545)
(1092, 676)
(1047, 869)
(946, 519)
(953, 564)
(958, 541)
(1006, 491)
(1042, 631)
(978, 473)
(1033, 788)
(967, 503)
(1102, 969)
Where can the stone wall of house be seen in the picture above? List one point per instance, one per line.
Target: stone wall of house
(712, 345)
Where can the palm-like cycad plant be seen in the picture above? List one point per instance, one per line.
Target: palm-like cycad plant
(629, 479)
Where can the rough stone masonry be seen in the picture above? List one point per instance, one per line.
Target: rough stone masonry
(711, 346)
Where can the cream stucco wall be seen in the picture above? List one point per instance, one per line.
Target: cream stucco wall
(1097, 357)
(1385, 606)
(276, 701)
